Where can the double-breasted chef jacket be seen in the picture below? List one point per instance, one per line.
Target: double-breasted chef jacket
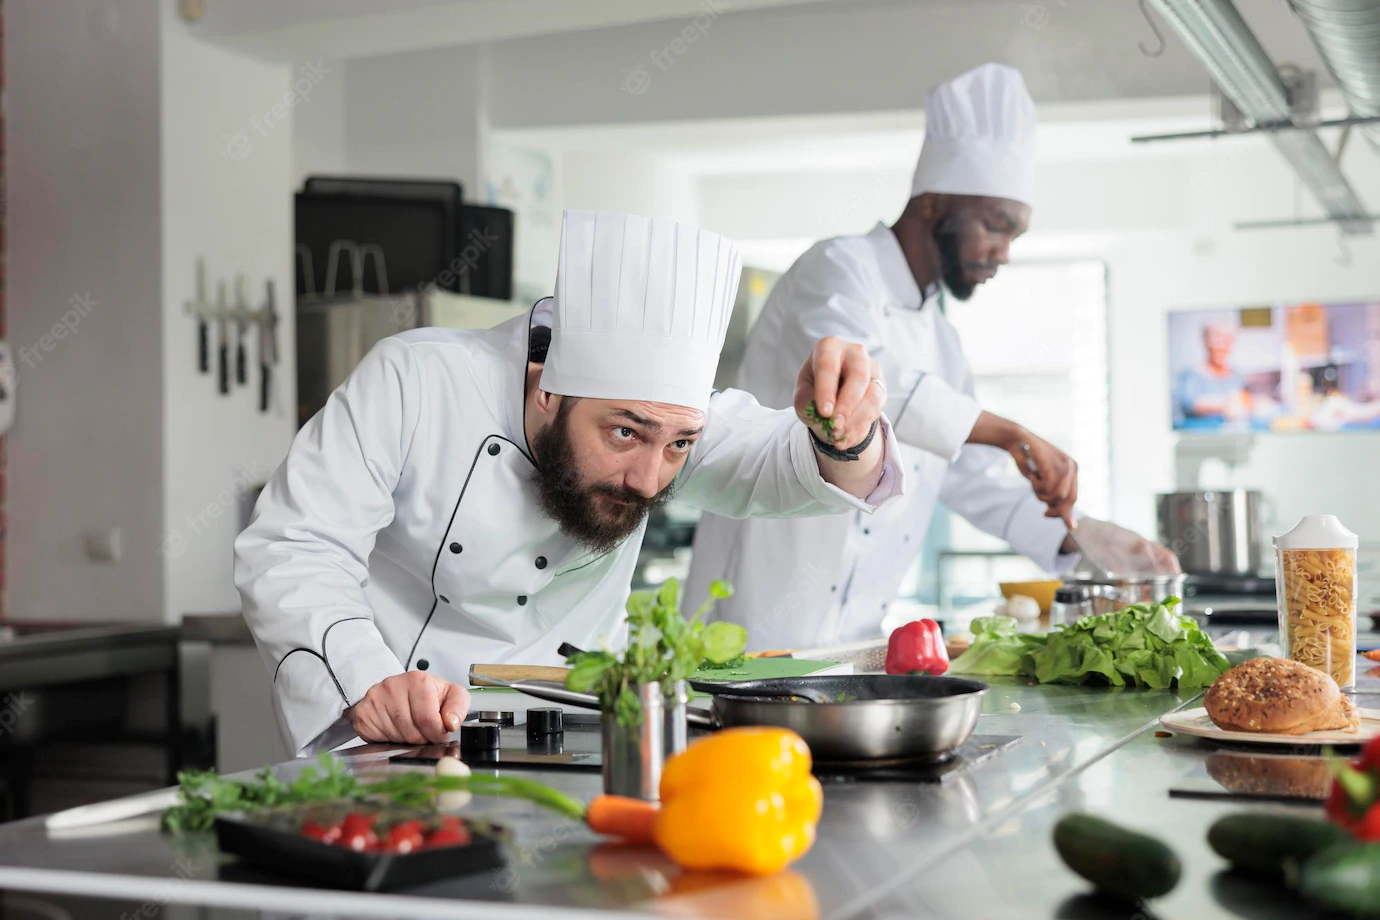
(806, 583)
(403, 530)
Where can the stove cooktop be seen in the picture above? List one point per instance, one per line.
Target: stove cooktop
(556, 740)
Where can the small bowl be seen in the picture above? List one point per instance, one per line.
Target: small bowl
(1041, 591)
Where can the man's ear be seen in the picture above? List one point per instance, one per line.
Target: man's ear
(547, 402)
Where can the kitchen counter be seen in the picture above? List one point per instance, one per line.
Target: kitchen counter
(34, 655)
(974, 845)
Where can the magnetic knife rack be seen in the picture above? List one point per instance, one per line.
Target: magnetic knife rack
(222, 312)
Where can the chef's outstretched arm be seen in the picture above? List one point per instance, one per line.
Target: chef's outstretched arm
(753, 461)
(302, 563)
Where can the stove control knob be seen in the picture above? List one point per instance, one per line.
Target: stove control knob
(493, 715)
(544, 720)
(479, 736)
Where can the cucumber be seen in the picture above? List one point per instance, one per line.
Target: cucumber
(1264, 843)
(1344, 878)
(1119, 862)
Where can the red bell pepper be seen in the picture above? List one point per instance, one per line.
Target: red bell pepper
(917, 648)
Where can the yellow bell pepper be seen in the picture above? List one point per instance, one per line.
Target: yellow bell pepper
(740, 799)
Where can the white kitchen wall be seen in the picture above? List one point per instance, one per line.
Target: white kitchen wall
(227, 197)
(318, 124)
(132, 149)
(84, 294)
(419, 114)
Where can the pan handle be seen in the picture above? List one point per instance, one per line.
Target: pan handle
(700, 718)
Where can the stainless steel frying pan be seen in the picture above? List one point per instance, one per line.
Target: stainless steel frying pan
(869, 717)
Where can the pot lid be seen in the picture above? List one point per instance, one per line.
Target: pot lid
(1318, 531)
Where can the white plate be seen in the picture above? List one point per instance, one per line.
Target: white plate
(1196, 722)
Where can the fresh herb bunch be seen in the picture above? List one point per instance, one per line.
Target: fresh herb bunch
(204, 794)
(826, 424)
(663, 647)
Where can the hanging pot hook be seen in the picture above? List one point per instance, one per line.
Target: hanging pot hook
(1144, 11)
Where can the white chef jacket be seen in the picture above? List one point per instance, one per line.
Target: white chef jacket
(404, 531)
(804, 583)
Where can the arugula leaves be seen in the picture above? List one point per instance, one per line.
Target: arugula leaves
(663, 647)
(1143, 645)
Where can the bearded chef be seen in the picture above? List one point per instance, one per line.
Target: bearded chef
(805, 583)
(481, 496)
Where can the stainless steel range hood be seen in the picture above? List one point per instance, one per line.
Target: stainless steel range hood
(1215, 32)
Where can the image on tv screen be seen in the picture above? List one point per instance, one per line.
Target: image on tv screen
(1292, 367)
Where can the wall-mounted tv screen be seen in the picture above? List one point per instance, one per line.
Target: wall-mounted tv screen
(1291, 367)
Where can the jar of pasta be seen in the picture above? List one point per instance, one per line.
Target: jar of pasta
(1315, 574)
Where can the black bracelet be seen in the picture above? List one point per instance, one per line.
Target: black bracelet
(852, 453)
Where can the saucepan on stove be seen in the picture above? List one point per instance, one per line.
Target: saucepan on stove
(854, 717)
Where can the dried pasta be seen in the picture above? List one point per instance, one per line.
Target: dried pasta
(1318, 610)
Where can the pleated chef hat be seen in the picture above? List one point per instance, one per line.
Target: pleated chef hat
(979, 136)
(640, 309)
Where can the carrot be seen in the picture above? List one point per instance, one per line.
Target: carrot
(1373, 654)
(621, 816)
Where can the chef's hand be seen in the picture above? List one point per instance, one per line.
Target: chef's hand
(846, 387)
(1052, 473)
(1122, 552)
(414, 707)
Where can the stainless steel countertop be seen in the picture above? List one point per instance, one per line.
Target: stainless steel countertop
(975, 845)
(216, 628)
(76, 652)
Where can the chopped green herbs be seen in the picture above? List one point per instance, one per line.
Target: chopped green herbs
(205, 794)
(825, 424)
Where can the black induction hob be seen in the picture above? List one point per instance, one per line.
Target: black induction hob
(497, 740)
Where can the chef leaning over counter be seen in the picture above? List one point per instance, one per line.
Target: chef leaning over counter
(886, 289)
(480, 496)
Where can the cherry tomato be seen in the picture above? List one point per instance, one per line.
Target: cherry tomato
(404, 837)
(1370, 757)
(448, 837)
(357, 821)
(453, 823)
(362, 841)
(325, 833)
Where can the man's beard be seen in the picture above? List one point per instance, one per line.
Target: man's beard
(585, 512)
(951, 262)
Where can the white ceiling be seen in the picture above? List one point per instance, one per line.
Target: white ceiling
(887, 140)
(340, 29)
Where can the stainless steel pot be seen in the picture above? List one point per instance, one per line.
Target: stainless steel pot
(1213, 533)
(1114, 593)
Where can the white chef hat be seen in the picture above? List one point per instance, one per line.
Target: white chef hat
(640, 309)
(979, 136)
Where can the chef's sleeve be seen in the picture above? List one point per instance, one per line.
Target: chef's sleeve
(302, 563)
(753, 461)
(926, 412)
(980, 486)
